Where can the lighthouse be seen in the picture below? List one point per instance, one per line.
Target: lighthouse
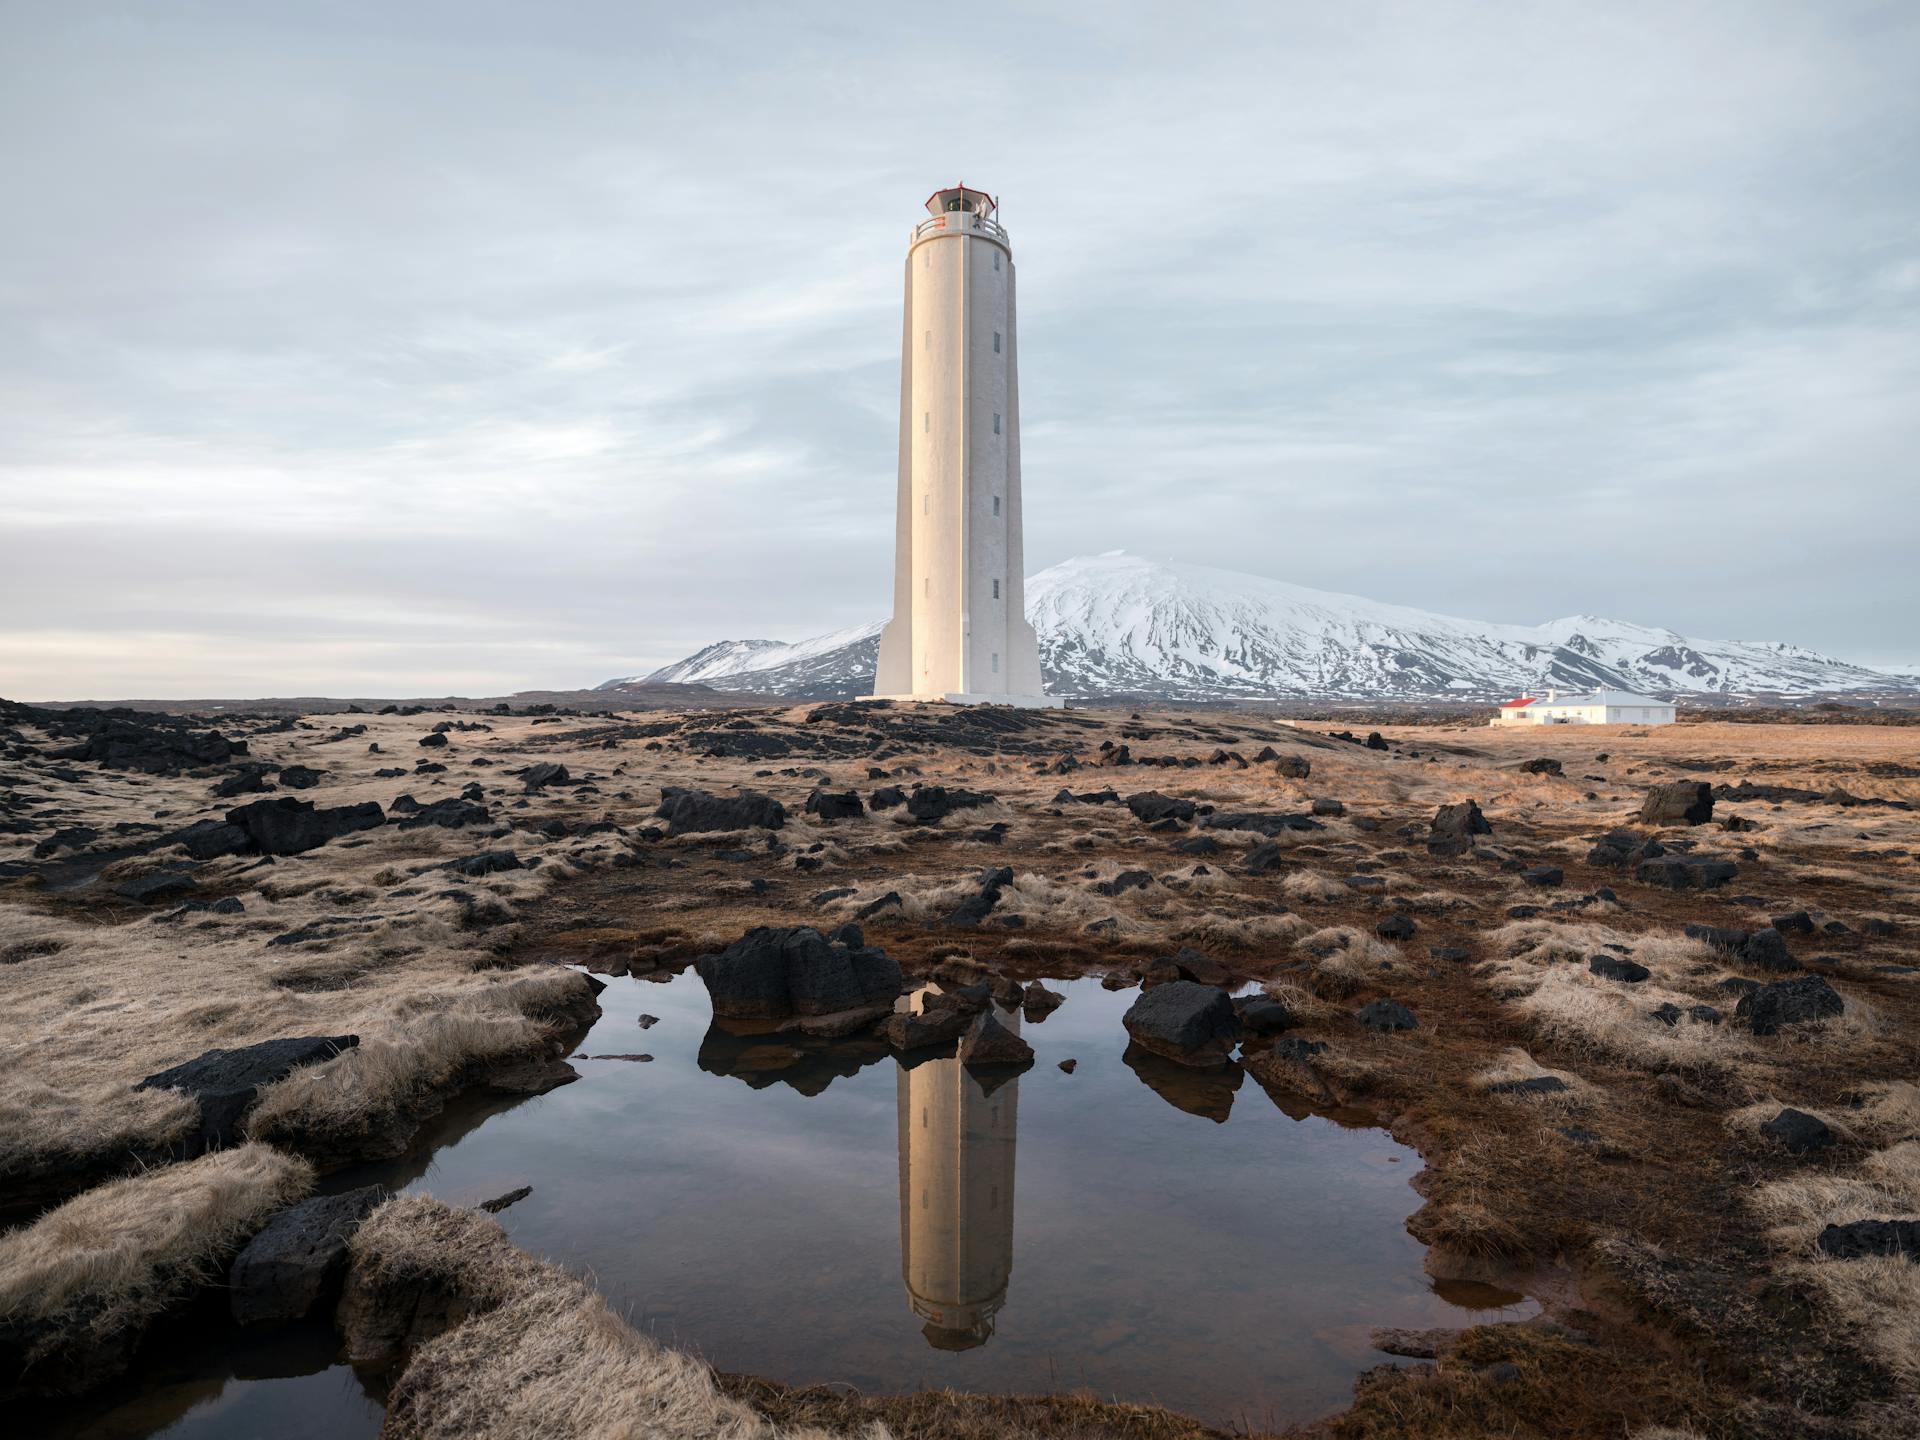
(959, 630)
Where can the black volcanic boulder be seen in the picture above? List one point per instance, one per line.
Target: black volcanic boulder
(888, 796)
(226, 1082)
(689, 811)
(138, 740)
(1860, 1239)
(1686, 872)
(538, 777)
(1789, 1002)
(1293, 767)
(157, 887)
(933, 803)
(1798, 1131)
(448, 814)
(1613, 967)
(1454, 827)
(977, 906)
(1683, 802)
(210, 839)
(1259, 822)
(296, 1264)
(286, 826)
(989, 1043)
(300, 777)
(1383, 1016)
(1619, 848)
(1542, 766)
(771, 974)
(829, 806)
(1150, 806)
(1192, 1023)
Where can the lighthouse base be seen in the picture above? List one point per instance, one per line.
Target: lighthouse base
(951, 697)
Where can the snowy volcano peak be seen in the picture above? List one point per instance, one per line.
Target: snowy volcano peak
(1119, 624)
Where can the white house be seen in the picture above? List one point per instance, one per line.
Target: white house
(1601, 707)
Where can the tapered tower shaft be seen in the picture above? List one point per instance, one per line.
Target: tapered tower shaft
(959, 629)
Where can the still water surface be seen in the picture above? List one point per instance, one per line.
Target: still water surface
(1130, 1228)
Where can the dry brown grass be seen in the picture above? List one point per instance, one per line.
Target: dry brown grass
(538, 1356)
(105, 1263)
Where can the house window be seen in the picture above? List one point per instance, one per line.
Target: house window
(996, 342)
(996, 589)
(996, 662)
(996, 422)
(996, 504)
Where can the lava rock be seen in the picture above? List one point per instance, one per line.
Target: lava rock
(1613, 967)
(1683, 802)
(989, 1043)
(226, 1082)
(1686, 872)
(291, 827)
(829, 806)
(1126, 880)
(1860, 1239)
(1395, 927)
(1382, 1016)
(1185, 1021)
(977, 906)
(1150, 806)
(432, 742)
(1454, 827)
(1798, 1131)
(1789, 1002)
(1542, 766)
(487, 862)
(692, 811)
(158, 887)
(448, 814)
(300, 777)
(1544, 876)
(538, 777)
(295, 1265)
(771, 973)
(933, 803)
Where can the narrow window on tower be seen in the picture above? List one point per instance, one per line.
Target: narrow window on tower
(996, 342)
(996, 504)
(996, 259)
(996, 662)
(926, 422)
(928, 345)
(926, 587)
(996, 589)
(926, 504)
(996, 422)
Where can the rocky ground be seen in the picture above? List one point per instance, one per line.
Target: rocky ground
(1644, 1000)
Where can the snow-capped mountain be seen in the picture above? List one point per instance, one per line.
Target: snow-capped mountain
(1118, 625)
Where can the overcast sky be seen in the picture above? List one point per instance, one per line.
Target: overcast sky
(407, 348)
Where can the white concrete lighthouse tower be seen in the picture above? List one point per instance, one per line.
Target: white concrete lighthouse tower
(959, 630)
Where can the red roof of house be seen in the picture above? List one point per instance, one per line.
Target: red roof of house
(1516, 704)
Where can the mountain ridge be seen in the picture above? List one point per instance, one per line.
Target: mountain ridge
(1117, 625)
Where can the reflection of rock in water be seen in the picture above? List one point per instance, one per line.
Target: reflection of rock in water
(806, 1063)
(956, 1196)
(1208, 1092)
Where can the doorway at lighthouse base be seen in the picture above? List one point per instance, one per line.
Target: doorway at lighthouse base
(813, 1211)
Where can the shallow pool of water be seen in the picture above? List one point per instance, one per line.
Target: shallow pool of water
(831, 1215)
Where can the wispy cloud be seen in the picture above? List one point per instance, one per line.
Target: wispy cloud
(371, 347)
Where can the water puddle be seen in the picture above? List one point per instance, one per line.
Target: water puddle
(817, 1214)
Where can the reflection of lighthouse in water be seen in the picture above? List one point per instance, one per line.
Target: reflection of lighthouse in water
(956, 1195)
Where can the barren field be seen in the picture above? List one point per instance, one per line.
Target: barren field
(1661, 1071)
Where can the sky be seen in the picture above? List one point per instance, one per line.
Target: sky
(427, 348)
